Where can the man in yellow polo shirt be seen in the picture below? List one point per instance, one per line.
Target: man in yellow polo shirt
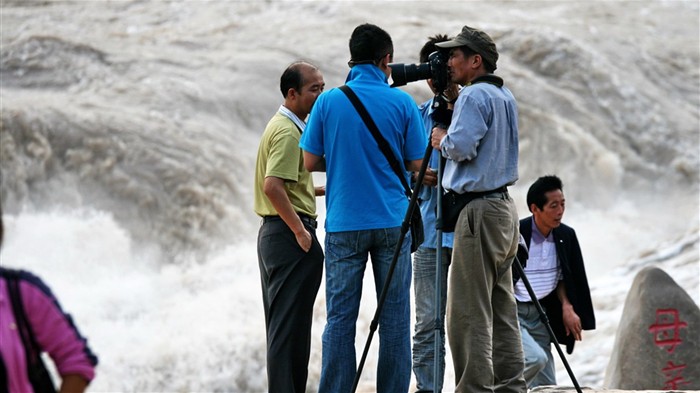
(289, 254)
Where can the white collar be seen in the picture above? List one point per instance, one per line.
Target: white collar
(286, 112)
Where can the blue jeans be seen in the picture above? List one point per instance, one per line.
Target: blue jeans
(539, 362)
(424, 263)
(346, 258)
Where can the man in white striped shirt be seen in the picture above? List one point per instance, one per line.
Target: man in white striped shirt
(558, 278)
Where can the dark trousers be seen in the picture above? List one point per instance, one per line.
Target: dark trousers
(290, 281)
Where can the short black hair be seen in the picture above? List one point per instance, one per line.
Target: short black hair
(430, 47)
(292, 77)
(538, 189)
(369, 43)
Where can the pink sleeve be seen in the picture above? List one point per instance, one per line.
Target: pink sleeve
(55, 332)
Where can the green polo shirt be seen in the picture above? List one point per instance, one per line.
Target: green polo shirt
(279, 155)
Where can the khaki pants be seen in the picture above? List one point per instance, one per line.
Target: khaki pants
(482, 320)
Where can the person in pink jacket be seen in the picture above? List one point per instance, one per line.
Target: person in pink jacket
(32, 322)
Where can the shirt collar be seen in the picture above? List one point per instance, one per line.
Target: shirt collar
(286, 112)
(538, 237)
(367, 72)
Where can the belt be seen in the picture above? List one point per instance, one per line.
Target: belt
(303, 217)
(481, 194)
(453, 198)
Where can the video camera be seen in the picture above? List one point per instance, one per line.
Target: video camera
(435, 69)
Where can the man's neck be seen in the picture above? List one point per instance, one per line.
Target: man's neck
(478, 73)
(299, 114)
(544, 231)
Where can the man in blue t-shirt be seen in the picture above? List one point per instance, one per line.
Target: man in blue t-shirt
(365, 206)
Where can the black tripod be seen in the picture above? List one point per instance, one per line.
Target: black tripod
(438, 323)
(405, 225)
(440, 114)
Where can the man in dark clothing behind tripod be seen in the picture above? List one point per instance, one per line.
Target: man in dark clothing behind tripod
(425, 258)
(558, 278)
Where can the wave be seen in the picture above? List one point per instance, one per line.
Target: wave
(128, 133)
(155, 114)
(34, 62)
(600, 123)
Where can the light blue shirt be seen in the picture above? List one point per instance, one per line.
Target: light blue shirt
(428, 195)
(482, 141)
(362, 191)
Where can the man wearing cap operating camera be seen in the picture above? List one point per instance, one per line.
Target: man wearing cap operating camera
(481, 147)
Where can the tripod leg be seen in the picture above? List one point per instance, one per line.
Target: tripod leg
(397, 251)
(543, 317)
(439, 326)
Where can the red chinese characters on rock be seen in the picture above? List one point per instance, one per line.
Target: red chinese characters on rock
(674, 379)
(666, 332)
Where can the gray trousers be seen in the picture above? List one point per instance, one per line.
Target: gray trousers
(482, 320)
(539, 362)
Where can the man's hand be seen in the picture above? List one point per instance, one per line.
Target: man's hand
(436, 137)
(451, 92)
(273, 187)
(304, 239)
(73, 383)
(572, 322)
(430, 178)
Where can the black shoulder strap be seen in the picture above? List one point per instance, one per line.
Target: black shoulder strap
(381, 141)
(36, 370)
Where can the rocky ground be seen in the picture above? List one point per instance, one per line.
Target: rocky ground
(564, 389)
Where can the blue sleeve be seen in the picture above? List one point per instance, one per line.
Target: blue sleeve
(468, 127)
(416, 140)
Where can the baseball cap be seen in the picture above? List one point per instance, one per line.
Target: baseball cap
(476, 40)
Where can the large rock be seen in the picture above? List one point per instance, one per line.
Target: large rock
(657, 345)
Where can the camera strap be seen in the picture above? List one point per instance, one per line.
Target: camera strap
(381, 141)
(488, 78)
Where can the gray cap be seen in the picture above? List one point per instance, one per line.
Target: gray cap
(476, 40)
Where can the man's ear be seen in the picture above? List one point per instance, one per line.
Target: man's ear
(291, 93)
(385, 61)
(476, 63)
